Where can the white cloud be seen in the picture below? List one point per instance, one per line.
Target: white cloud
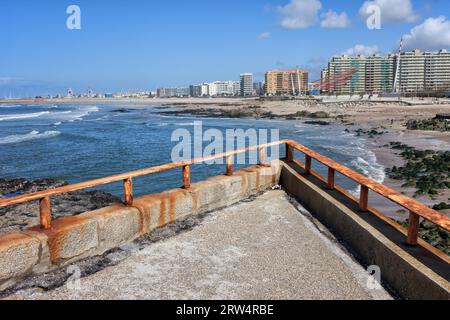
(333, 19)
(362, 49)
(264, 36)
(299, 14)
(432, 34)
(391, 10)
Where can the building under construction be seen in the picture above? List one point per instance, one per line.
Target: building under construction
(286, 82)
(407, 73)
(358, 75)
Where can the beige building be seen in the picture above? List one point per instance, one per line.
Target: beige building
(437, 70)
(286, 82)
(412, 72)
(424, 72)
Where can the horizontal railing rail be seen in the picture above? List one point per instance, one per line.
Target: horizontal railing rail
(417, 210)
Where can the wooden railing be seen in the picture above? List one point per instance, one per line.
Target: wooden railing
(417, 210)
(127, 178)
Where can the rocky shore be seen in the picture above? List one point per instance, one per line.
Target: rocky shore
(22, 216)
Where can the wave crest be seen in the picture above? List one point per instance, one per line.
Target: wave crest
(22, 116)
(28, 136)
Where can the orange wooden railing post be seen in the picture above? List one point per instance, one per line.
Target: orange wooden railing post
(45, 213)
(186, 176)
(413, 228)
(364, 198)
(330, 180)
(229, 165)
(289, 153)
(308, 164)
(128, 191)
(262, 157)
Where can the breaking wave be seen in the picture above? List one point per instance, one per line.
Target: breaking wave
(55, 116)
(29, 136)
(23, 116)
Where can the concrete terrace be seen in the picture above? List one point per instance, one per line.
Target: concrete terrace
(268, 247)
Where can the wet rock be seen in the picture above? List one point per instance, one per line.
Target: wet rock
(122, 110)
(25, 215)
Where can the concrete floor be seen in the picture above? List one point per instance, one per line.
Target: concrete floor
(261, 249)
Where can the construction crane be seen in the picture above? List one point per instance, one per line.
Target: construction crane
(298, 82)
(397, 69)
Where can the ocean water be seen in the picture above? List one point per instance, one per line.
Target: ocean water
(78, 142)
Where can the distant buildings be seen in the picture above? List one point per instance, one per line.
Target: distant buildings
(195, 90)
(258, 88)
(286, 82)
(173, 92)
(223, 88)
(408, 73)
(213, 89)
(246, 84)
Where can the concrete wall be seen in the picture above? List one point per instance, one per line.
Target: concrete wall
(70, 239)
(408, 276)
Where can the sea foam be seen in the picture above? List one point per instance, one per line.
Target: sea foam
(23, 116)
(28, 136)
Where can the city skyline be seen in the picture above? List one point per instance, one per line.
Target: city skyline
(174, 43)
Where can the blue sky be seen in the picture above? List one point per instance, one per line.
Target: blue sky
(137, 44)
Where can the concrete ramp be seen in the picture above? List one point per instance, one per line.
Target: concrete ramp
(264, 248)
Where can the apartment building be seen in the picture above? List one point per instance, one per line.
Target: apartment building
(418, 72)
(437, 70)
(379, 74)
(412, 72)
(224, 88)
(195, 90)
(246, 84)
(286, 82)
(173, 92)
(358, 74)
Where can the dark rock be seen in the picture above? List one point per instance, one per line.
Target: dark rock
(18, 217)
(122, 110)
(318, 122)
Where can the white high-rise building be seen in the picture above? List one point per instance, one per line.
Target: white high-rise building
(246, 84)
(224, 88)
(205, 89)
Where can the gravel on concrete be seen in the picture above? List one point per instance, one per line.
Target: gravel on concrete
(267, 248)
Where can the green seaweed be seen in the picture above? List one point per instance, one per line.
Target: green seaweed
(426, 170)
